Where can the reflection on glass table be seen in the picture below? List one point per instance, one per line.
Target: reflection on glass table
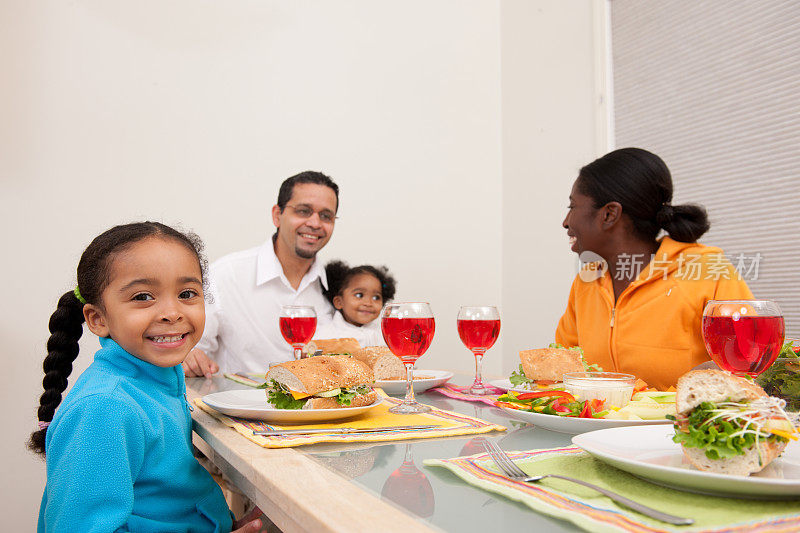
(408, 487)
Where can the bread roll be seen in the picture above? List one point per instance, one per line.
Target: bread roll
(343, 345)
(384, 364)
(550, 363)
(713, 386)
(717, 386)
(319, 374)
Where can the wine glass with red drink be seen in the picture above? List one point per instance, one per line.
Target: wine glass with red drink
(743, 336)
(408, 331)
(298, 324)
(478, 328)
(409, 487)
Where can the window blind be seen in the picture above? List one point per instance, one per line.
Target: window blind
(713, 87)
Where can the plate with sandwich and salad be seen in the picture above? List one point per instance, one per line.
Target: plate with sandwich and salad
(728, 438)
(557, 390)
(315, 389)
(390, 374)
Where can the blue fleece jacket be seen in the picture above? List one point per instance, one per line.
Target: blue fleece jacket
(119, 454)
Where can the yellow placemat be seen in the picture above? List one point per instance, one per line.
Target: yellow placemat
(448, 424)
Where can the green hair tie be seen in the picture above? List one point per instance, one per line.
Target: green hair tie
(77, 293)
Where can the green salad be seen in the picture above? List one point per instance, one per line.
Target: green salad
(782, 379)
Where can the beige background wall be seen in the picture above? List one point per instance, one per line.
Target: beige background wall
(453, 128)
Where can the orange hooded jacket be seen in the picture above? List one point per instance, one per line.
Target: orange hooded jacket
(653, 330)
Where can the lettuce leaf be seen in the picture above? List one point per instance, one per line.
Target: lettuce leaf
(519, 378)
(716, 438)
(282, 398)
(345, 397)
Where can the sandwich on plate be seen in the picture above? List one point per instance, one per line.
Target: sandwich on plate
(322, 382)
(545, 367)
(727, 424)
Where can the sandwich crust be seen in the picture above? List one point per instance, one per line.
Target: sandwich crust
(741, 465)
(322, 373)
(330, 403)
(714, 386)
(343, 345)
(550, 363)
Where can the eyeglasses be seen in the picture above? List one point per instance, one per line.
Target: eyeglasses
(303, 211)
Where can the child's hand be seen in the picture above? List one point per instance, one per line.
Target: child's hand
(198, 364)
(249, 523)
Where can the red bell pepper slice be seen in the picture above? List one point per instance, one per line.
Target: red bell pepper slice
(543, 393)
(558, 406)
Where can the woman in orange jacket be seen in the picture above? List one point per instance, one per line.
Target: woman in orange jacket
(637, 304)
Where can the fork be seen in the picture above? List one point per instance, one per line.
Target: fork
(512, 471)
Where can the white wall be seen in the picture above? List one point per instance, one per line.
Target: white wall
(553, 122)
(453, 129)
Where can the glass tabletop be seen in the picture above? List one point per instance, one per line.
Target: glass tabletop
(394, 470)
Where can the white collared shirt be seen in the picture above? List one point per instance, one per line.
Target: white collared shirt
(367, 335)
(248, 289)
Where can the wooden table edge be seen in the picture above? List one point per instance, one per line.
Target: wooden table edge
(293, 490)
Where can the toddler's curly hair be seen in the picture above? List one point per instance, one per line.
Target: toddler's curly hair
(339, 276)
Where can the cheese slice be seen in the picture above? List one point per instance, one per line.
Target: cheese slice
(299, 395)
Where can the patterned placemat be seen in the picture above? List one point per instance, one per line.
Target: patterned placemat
(594, 512)
(448, 424)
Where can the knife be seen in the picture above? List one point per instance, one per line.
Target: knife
(277, 432)
(251, 378)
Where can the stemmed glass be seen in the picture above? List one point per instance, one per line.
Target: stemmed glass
(408, 331)
(298, 324)
(743, 336)
(478, 328)
(409, 487)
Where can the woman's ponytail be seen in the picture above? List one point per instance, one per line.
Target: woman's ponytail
(684, 223)
(641, 182)
(66, 328)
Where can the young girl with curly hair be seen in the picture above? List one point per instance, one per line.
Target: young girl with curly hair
(358, 294)
(118, 448)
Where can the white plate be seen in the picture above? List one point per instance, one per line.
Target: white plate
(649, 453)
(506, 385)
(398, 386)
(574, 425)
(252, 403)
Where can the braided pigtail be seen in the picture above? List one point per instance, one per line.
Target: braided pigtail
(66, 324)
(66, 327)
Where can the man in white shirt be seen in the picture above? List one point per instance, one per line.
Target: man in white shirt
(249, 287)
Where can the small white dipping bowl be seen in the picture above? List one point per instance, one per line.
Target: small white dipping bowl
(613, 388)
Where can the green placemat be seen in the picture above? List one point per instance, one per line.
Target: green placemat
(594, 512)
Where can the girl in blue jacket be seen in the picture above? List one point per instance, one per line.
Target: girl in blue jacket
(119, 449)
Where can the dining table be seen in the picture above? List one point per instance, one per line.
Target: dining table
(373, 486)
